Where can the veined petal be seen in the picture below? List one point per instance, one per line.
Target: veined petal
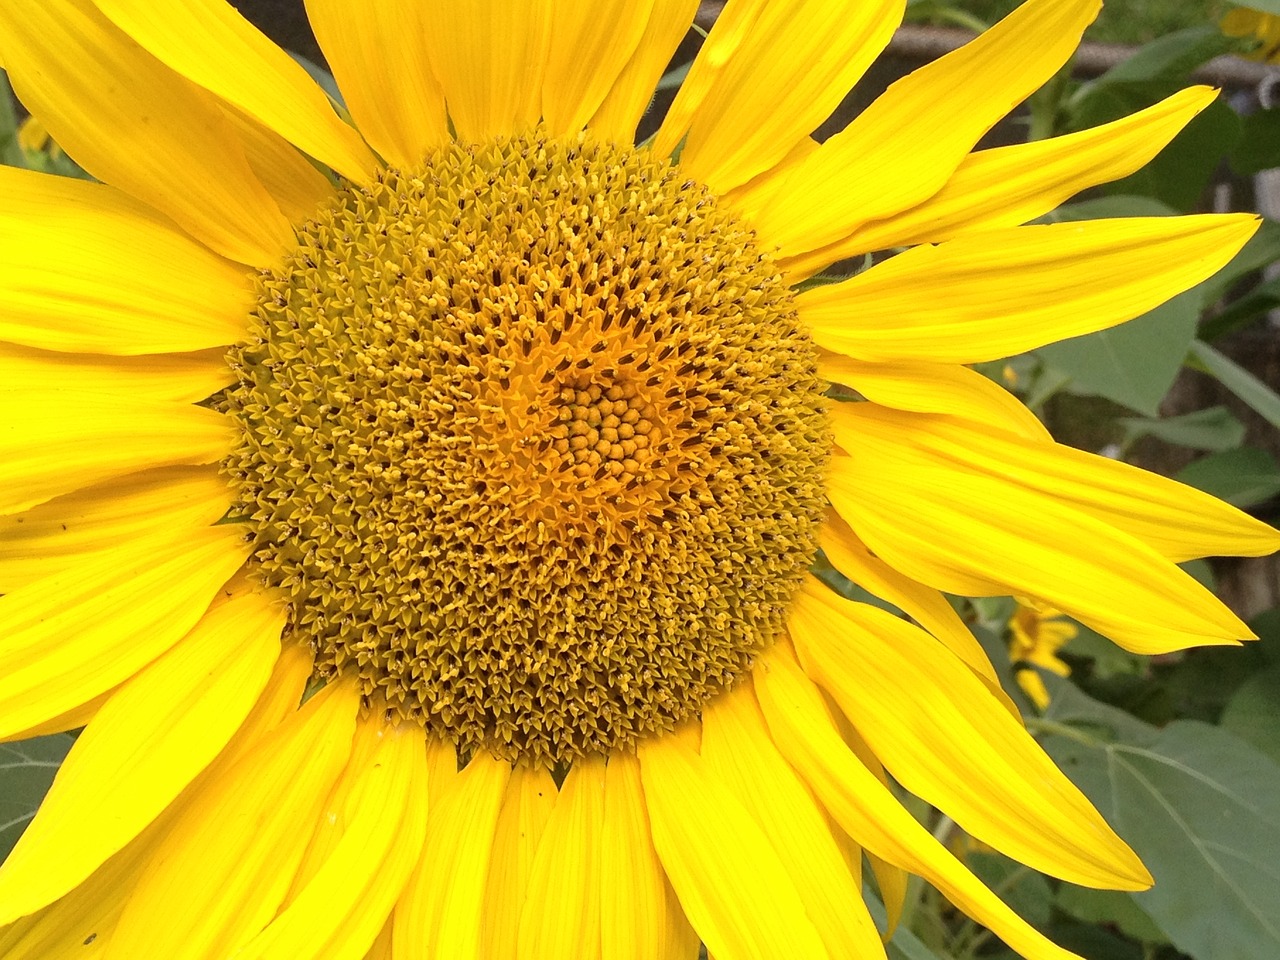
(213, 46)
(1006, 538)
(377, 50)
(71, 719)
(294, 183)
(904, 147)
(934, 388)
(1178, 521)
(866, 809)
(729, 878)
(561, 912)
(1007, 186)
(490, 57)
(739, 753)
(933, 724)
(381, 949)
(530, 798)
(175, 377)
(629, 97)
(748, 199)
(75, 634)
(923, 604)
(129, 121)
(999, 293)
(439, 914)
(53, 443)
(732, 27)
(90, 269)
(222, 870)
(640, 918)
(587, 52)
(62, 531)
(379, 810)
(787, 75)
(154, 735)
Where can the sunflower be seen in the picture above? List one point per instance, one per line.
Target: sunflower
(416, 507)
(1035, 637)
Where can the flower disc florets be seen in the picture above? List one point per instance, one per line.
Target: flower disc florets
(532, 439)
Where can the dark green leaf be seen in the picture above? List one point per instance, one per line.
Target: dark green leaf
(1109, 906)
(1181, 171)
(1021, 887)
(1200, 807)
(26, 770)
(1261, 398)
(1108, 659)
(1259, 145)
(1135, 363)
(1243, 477)
(1212, 429)
(1253, 714)
(1243, 312)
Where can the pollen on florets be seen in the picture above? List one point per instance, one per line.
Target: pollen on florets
(532, 439)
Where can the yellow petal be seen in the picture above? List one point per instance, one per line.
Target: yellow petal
(999, 293)
(904, 147)
(1006, 538)
(729, 878)
(69, 637)
(1178, 521)
(934, 388)
(639, 916)
(176, 377)
(60, 532)
(72, 719)
(1007, 186)
(131, 122)
(927, 607)
(377, 50)
(54, 442)
(530, 798)
(439, 916)
(787, 75)
(381, 949)
(945, 739)
(732, 27)
(213, 46)
(866, 809)
(224, 867)
(294, 183)
(378, 814)
(278, 703)
(739, 753)
(561, 913)
(89, 269)
(587, 53)
(632, 92)
(157, 732)
(490, 57)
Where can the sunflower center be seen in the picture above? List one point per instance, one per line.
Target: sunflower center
(533, 441)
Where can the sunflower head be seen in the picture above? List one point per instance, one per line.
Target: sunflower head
(533, 439)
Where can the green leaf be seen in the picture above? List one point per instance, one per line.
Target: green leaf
(1199, 806)
(1213, 429)
(1109, 906)
(1109, 660)
(1106, 208)
(27, 768)
(1180, 173)
(1019, 886)
(1139, 80)
(1253, 713)
(1135, 363)
(1262, 399)
(1243, 477)
(1243, 312)
(1263, 248)
(1266, 6)
(1259, 146)
(904, 945)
